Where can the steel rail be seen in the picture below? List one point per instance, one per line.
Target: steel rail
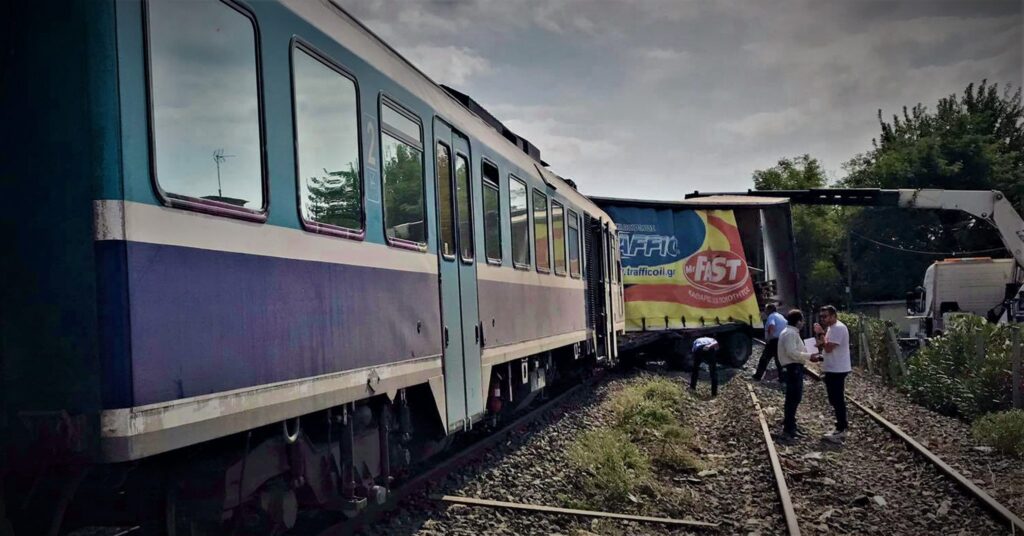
(487, 503)
(1015, 523)
(452, 463)
(792, 525)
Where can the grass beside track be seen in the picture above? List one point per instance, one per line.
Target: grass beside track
(646, 431)
(1004, 431)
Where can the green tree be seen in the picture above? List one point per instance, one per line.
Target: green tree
(971, 141)
(818, 230)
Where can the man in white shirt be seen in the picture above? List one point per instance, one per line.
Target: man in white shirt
(792, 355)
(835, 344)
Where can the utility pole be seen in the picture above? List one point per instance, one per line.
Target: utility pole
(218, 157)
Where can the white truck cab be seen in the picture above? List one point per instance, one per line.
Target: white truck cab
(976, 285)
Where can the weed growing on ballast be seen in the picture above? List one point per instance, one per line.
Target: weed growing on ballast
(615, 467)
(1002, 431)
(646, 430)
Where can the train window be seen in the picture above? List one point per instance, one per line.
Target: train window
(540, 231)
(205, 106)
(558, 236)
(463, 200)
(574, 244)
(444, 200)
(401, 123)
(401, 145)
(326, 143)
(616, 252)
(618, 257)
(519, 222)
(492, 213)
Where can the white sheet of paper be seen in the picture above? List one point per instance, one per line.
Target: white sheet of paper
(811, 345)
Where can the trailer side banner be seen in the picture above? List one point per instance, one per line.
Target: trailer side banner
(682, 268)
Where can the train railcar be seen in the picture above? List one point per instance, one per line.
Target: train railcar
(256, 261)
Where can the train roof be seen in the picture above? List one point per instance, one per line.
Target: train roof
(333, 20)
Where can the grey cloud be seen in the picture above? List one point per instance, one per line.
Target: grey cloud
(451, 64)
(656, 98)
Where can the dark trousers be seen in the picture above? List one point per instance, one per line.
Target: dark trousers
(771, 351)
(794, 394)
(711, 358)
(835, 386)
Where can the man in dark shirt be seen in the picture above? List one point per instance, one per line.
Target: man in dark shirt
(705, 349)
(774, 323)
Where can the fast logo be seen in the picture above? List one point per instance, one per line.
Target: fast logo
(716, 272)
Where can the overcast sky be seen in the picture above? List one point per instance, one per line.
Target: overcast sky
(657, 98)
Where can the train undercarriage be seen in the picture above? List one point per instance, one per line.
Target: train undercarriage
(264, 481)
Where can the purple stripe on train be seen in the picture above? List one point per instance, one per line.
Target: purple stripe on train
(207, 321)
(514, 313)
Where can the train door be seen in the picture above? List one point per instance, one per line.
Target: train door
(457, 262)
(608, 288)
(612, 286)
(596, 285)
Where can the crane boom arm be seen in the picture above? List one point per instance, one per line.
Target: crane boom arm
(989, 205)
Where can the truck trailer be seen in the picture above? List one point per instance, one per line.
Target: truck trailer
(700, 267)
(990, 206)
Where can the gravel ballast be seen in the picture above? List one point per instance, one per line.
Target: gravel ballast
(733, 486)
(871, 484)
(1000, 475)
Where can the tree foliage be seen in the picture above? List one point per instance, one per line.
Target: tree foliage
(973, 140)
(818, 230)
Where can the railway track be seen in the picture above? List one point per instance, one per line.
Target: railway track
(455, 461)
(791, 484)
(788, 512)
(997, 511)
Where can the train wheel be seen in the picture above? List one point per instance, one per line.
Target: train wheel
(680, 357)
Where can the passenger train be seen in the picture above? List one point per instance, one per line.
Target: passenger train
(257, 262)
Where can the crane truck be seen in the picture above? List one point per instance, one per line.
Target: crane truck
(700, 268)
(975, 285)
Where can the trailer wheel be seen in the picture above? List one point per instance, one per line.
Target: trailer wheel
(736, 348)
